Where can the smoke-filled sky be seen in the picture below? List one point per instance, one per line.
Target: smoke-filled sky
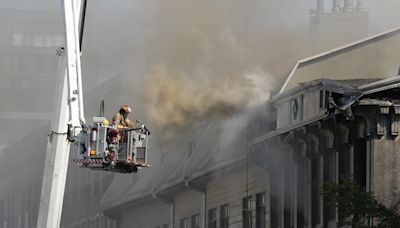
(192, 56)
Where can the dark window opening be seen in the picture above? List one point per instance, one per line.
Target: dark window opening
(212, 218)
(260, 210)
(321, 99)
(184, 223)
(326, 99)
(301, 195)
(274, 209)
(360, 163)
(196, 221)
(294, 108)
(288, 198)
(247, 213)
(224, 216)
(329, 175)
(315, 193)
(345, 163)
(345, 167)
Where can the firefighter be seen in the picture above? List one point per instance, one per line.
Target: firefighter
(113, 137)
(120, 118)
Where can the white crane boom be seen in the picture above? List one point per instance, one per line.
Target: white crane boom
(68, 111)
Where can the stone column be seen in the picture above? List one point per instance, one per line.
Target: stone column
(297, 182)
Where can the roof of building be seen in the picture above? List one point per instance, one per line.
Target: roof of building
(211, 151)
(348, 86)
(178, 162)
(363, 59)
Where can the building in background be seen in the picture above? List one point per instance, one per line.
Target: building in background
(28, 71)
(336, 22)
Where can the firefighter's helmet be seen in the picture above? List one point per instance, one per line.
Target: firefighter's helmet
(126, 108)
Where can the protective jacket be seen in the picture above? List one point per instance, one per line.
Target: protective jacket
(120, 119)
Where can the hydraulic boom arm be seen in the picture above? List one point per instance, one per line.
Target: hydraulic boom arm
(68, 111)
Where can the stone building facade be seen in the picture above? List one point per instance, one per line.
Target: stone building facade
(332, 131)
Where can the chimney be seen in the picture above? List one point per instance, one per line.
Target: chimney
(348, 6)
(336, 6)
(320, 5)
(360, 5)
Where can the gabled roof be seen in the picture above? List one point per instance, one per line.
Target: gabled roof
(379, 60)
(381, 85)
(350, 86)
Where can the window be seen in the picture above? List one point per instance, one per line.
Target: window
(196, 221)
(184, 223)
(17, 40)
(295, 108)
(247, 213)
(321, 99)
(315, 192)
(360, 163)
(212, 218)
(326, 98)
(300, 188)
(260, 210)
(58, 41)
(11, 64)
(42, 64)
(224, 216)
(274, 207)
(329, 175)
(50, 41)
(38, 41)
